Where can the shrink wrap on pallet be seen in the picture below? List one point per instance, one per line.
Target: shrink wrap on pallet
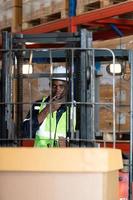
(45, 7)
(43, 11)
(7, 17)
(7, 4)
(117, 43)
(88, 5)
(35, 9)
(6, 12)
(26, 10)
(60, 6)
(1, 14)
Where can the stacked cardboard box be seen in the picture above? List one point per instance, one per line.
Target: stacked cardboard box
(122, 93)
(122, 120)
(122, 100)
(117, 43)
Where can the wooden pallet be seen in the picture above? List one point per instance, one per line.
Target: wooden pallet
(30, 23)
(89, 5)
(5, 28)
(108, 136)
(6, 23)
(116, 1)
(57, 10)
(53, 11)
(45, 19)
(55, 16)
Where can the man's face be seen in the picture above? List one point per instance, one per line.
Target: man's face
(59, 89)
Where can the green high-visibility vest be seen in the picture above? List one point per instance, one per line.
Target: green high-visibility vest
(49, 130)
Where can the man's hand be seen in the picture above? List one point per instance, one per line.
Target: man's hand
(53, 106)
(62, 142)
(55, 103)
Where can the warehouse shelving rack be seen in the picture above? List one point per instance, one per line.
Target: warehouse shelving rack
(103, 17)
(107, 22)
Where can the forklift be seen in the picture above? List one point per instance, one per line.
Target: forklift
(84, 63)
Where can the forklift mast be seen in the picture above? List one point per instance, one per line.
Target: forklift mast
(75, 49)
(15, 49)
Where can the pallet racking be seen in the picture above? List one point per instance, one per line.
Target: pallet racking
(99, 20)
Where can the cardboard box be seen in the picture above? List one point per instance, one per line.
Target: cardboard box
(122, 93)
(59, 174)
(122, 119)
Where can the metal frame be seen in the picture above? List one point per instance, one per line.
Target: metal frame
(6, 90)
(131, 129)
(84, 39)
(101, 17)
(86, 127)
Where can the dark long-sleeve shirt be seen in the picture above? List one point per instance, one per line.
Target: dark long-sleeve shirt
(31, 120)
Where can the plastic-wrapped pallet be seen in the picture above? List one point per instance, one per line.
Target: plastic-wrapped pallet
(45, 7)
(8, 17)
(41, 11)
(26, 10)
(35, 9)
(60, 6)
(7, 13)
(8, 4)
(88, 5)
(1, 14)
(51, 7)
(82, 5)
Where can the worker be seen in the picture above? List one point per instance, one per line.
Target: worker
(49, 121)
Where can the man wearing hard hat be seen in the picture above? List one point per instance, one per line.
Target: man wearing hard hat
(49, 119)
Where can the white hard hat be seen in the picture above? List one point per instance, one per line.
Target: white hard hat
(60, 70)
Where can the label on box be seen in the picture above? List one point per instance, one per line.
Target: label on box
(121, 95)
(121, 118)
